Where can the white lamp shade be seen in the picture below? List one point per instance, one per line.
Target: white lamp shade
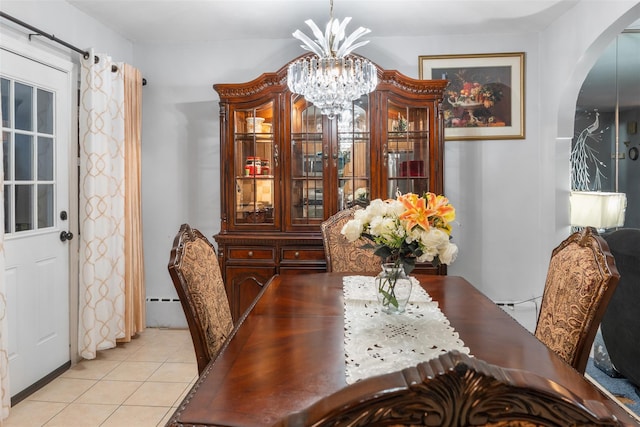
(597, 209)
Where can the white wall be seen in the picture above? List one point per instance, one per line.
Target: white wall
(183, 152)
(511, 196)
(67, 23)
(490, 182)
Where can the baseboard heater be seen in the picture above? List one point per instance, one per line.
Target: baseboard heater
(165, 312)
(152, 299)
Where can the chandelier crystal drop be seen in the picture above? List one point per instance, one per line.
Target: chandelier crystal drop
(332, 78)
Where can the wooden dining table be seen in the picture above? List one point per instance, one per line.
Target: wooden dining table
(287, 351)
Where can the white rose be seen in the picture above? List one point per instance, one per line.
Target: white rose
(449, 253)
(376, 208)
(384, 227)
(352, 229)
(434, 238)
(425, 257)
(396, 208)
(361, 215)
(415, 235)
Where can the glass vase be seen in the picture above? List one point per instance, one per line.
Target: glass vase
(394, 288)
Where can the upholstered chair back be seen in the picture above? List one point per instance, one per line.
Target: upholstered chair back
(343, 255)
(453, 390)
(196, 275)
(581, 279)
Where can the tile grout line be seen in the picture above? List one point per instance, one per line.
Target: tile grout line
(152, 341)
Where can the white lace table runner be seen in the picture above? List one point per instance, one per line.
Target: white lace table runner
(377, 343)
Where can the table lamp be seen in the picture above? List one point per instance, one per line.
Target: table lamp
(597, 209)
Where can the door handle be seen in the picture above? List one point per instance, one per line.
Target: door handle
(66, 235)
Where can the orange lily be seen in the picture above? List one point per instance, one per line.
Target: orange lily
(442, 207)
(417, 211)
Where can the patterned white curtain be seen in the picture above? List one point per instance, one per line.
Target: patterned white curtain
(102, 200)
(4, 327)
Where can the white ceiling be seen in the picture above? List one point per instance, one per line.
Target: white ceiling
(169, 21)
(183, 21)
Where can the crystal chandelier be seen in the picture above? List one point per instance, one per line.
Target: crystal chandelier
(332, 78)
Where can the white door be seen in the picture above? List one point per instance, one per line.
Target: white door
(35, 137)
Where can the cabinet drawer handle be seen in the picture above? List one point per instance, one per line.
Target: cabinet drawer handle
(250, 254)
(297, 254)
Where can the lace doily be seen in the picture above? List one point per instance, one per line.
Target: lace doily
(377, 343)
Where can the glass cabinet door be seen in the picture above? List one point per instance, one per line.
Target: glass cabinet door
(407, 149)
(308, 148)
(354, 155)
(330, 160)
(254, 165)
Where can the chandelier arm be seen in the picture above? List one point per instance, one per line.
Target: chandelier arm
(327, 37)
(347, 47)
(344, 52)
(308, 43)
(338, 36)
(320, 38)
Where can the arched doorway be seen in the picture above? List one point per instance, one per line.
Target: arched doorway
(606, 122)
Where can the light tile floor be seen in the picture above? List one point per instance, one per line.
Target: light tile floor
(136, 384)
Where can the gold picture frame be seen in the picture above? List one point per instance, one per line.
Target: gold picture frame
(485, 96)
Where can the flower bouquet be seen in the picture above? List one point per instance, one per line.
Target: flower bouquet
(404, 231)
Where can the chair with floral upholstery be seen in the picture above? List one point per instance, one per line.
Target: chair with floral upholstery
(453, 390)
(581, 279)
(342, 255)
(194, 269)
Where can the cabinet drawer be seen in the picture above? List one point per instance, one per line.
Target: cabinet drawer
(298, 254)
(251, 253)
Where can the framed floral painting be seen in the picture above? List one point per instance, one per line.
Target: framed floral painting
(485, 96)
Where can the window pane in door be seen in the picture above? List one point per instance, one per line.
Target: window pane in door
(24, 157)
(5, 91)
(45, 159)
(23, 104)
(6, 155)
(45, 205)
(7, 212)
(24, 207)
(45, 111)
(28, 143)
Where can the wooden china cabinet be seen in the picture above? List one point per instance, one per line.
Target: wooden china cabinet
(285, 168)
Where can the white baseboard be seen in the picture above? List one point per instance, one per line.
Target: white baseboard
(165, 313)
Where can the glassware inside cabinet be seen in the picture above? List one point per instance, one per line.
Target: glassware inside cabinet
(354, 155)
(407, 149)
(307, 157)
(254, 163)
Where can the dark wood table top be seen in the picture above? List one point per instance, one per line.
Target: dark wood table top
(288, 352)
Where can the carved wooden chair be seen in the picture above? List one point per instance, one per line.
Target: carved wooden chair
(343, 255)
(581, 279)
(453, 390)
(194, 269)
